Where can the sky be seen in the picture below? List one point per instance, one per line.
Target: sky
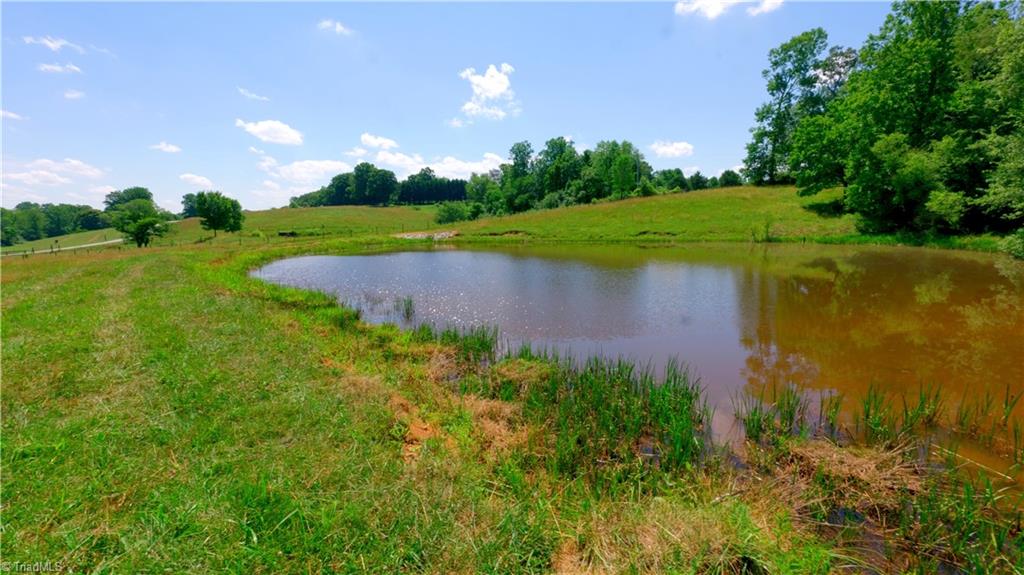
(264, 101)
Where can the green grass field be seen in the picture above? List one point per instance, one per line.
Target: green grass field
(186, 417)
(69, 240)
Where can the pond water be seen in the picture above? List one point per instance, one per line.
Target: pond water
(827, 318)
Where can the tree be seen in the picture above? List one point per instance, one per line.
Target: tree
(729, 178)
(219, 212)
(9, 232)
(698, 181)
(118, 197)
(138, 220)
(188, 206)
(671, 179)
(792, 83)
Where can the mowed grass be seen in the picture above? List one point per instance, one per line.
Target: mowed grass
(727, 214)
(328, 221)
(65, 241)
(185, 417)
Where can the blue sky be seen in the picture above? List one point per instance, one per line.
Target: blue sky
(266, 101)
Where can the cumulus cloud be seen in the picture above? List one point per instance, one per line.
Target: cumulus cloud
(101, 190)
(310, 171)
(356, 152)
(272, 131)
(664, 149)
(493, 97)
(74, 95)
(196, 181)
(252, 96)
(54, 44)
(451, 167)
(712, 9)
(37, 178)
(256, 150)
(334, 26)
(371, 141)
(456, 123)
(764, 6)
(446, 167)
(69, 166)
(60, 68)
(10, 115)
(165, 147)
(401, 164)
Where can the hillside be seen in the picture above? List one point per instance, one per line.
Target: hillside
(726, 214)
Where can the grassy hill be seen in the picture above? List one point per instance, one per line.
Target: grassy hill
(741, 214)
(728, 214)
(265, 225)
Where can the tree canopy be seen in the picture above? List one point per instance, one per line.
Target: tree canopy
(923, 127)
(218, 212)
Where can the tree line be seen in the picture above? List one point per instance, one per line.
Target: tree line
(558, 175)
(922, 127)
(30, 221)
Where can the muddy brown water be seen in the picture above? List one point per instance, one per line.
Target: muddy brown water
(827, 318)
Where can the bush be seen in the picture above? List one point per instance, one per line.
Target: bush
(450, 212)
(1013, 244)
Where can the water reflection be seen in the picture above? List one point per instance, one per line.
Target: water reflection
(827, 318)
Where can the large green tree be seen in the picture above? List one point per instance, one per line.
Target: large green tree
(219, 212)
(138, 220)
(116, 198)
(793, 91)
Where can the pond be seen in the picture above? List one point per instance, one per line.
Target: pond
(827, 318)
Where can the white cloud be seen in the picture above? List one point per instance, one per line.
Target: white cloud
(451, 167)
(101, 190)
(447, 167)
(66, 166)
(356, 152)
(493, 97)
(37, 178)
(60, 68)
(664, 149)
(256, 150)
(270, 184)
(252, 96)
(196, 181)
(381, 142)
(334, 26)
(401, 164)
(10, 115)
(272, 131)
(54, 44)
(764, 7)
(712, 9)
(267, 164)
(165, 147)
(310, 171)
(74, 95)
(456, 123)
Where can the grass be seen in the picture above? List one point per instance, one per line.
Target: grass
(740, 214)
(69, 240)
(202, 420)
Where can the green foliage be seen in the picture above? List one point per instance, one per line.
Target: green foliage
(218, 212)
(138, 220)
(1013, 244)
(728, 179)
(29, 221)
(793, 90)
(449, 212)
(926, 132)
(189, 208)
(118, 197)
